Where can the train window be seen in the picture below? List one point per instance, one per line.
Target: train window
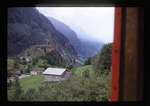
(75, 53)
(69, 50)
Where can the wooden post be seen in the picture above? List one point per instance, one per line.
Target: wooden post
(127, 55)
(133, 48)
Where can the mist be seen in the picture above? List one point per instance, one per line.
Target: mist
(89, 23)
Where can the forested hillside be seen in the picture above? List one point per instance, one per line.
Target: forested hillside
(27, 27)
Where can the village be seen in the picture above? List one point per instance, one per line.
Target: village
(50, 74)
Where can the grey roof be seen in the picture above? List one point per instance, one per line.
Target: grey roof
(54, 71)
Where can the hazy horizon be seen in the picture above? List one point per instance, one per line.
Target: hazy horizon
(96, 23)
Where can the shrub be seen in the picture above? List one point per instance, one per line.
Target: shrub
(29, 95)
(72, 89)
(69, 66)
(16, 91)
(85, 73)
(10, 66)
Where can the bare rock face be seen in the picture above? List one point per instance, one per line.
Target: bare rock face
(36, 51)
(43, 48)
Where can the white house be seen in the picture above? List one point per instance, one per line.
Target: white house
(54, 74)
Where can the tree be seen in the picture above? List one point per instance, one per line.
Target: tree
(85, 73)
(28, 68)
(10, 66)
(72, 89)
(102, 61)
(69, 66)
(29, 95)
(16, 90)
(88, 61)
(54, 58)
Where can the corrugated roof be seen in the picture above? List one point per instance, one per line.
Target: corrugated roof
(54, 71)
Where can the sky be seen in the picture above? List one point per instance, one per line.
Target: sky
(92, 23)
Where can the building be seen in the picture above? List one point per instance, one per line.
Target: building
(56, 74)
(16, 74)
(37, 71)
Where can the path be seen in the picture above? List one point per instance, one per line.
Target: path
(23, 76)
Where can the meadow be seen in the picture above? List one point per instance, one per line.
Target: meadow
(31, 82)
(78, 71)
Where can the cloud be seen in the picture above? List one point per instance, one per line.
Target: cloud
(96, 21)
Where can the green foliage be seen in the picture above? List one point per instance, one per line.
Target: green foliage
(49, 60)
(14, 64)
(31, 82)
(29, 95)
(29, 67)
(10, 66)
(79, 70)
(102, 62)
(15, 92)
(88, 61)
(74, 89)
(18, 89)
(69, 66)
(39, 62)
(85, 73)
(54, 58)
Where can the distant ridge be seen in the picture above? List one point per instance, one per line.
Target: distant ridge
(84, 48)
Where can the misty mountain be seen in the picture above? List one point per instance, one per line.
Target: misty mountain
(92, 47)
(84, 47)
(27, 27)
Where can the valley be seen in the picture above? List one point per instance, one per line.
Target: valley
(41, 42)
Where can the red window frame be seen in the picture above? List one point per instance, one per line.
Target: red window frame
(116, 55)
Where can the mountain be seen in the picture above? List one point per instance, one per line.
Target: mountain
(92, 47)
(27, 27)
(83, 47)
(69, 33)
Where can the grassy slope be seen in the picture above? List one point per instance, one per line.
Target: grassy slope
(78, 71)
(31, 82)
(37, 81)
